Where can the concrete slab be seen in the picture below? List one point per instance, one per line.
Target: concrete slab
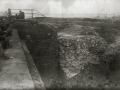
(14, 72)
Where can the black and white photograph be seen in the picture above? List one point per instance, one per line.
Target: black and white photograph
(59, 44)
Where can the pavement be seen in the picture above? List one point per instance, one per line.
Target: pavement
(14, 72)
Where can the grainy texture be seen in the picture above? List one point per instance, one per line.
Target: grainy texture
(100, 53)
(14, 74)
(74, 53)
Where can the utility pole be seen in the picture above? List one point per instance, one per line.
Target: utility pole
(113, 14)
(106, 15)
(9, 15)
(98, 15)
(32, 13)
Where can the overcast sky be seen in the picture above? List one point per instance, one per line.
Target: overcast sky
(66, 8)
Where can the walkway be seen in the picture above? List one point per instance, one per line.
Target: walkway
(14, 72)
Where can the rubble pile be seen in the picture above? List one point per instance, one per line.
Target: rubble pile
(73, 45)
(87, 60)
(78, 30)
(83, 59)
(74, 53)
(83, 55)
(102, 75)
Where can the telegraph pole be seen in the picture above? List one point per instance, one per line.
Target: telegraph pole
(98, 15)
(32, 13)
(9, 14)
(106, 15)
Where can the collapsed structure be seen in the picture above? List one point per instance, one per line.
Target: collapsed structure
(84, 65)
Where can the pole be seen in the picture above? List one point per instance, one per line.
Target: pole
(32, 13)
(9, 15)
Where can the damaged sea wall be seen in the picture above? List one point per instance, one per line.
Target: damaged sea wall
(74, 56)
(77, 58)
(74, 51)
(87, 60)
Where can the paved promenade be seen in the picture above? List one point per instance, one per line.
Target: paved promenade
(14, 72)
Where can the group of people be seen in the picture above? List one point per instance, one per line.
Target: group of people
(5, 35)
